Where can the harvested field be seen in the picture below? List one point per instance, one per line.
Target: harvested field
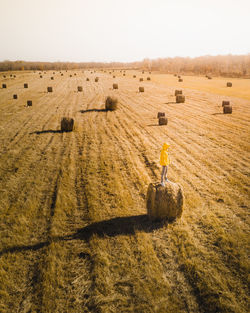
(74, 232)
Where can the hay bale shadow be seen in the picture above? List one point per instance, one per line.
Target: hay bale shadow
(93, 110)
(48, 131)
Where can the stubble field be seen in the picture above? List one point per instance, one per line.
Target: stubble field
(74, 232)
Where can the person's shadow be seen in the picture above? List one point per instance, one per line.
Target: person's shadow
(108, 228)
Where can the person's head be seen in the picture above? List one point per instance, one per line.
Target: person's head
(165, 146)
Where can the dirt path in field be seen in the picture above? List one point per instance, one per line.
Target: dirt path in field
(74, 232)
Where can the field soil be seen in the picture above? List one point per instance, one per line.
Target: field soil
(74, 234)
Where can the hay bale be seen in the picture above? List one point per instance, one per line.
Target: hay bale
(75, 74)
(180, 80)
(164, 202)
(141, 79)
(87, 79)
(160, 114)
(70, 75)
(141, 89)
(15, 96)
(41, 76)
(209, 77)
(29, 103)
(14, 76)
(79, 88)
(52, 78)
(149, 72)
(4, 76)
(142, 72)
(115, 86)
(67, 124)
(229, 84)
(49, 89)
(180, 99)
(148, 78)
(53, 73)
(10, 75)
(96, 79)
(134, 76)
(227, 109)
(25, 85)
(111, 103)
(163, 121)
(124, 74)
(179, 76)
(175, 75)
(225, 103)
(113, 76)
(62, 74)
(178, 92)
(4, 86)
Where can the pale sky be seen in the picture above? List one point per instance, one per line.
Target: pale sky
(122, 30)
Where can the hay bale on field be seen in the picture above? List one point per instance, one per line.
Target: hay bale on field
(124, 74)
(162, 121)
(113, 76)
(62, 74)
(49, 89)
(111, 103)
(142, 72)
(4, 76)
(178, 92)
(225, 103)
(79, 88)
(141, 89)
(70, 75)
(96, 79)
(227, 109)
(10, 75)
(164, 202)
(148, 78)
(180, 80)
(115, 86)
(229, 84)
(67, 124)
(149, 72)
(180, 99)
(41, 76)
(175, 75)
(209, 77)
(25, 85)
(141, 79)
(15, 96)
(14, 76)
(134, 76)
(4, 86)
(52, 78)
(29, 103)
(75, 74)
(179, 76)
(87, 79)
(53, 73)
(160, 114)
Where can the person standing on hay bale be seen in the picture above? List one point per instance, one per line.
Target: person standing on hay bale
(164, 161)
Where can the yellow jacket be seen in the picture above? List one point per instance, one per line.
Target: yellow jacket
(164, 159)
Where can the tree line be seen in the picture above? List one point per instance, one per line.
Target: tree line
(221, 65)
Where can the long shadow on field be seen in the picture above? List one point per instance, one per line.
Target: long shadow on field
(217, 113)
(49, 131)
(93, 110)
(171, 102)
(114, 227)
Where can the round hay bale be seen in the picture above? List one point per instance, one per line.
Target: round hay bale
(49, 89)
(180, 80)
(225, 103)
(160, 114)
(79, 88)
(227, 109)
(4, 86)
(67, 124)
(96, 79)
(178, 92)
(14, 96)
(229, 84)
(41, 76)
(25, 85)
(87, 79)
(141, 79)
(115, 86)
(148, 78)
(141, 89)
(52, 78)
(164, 202)
(180, 99)
(111, 103)
(29, 103)
(163, 121)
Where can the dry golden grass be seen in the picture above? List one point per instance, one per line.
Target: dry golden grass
(74, 234)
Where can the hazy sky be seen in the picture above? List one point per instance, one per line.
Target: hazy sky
(122, 30)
